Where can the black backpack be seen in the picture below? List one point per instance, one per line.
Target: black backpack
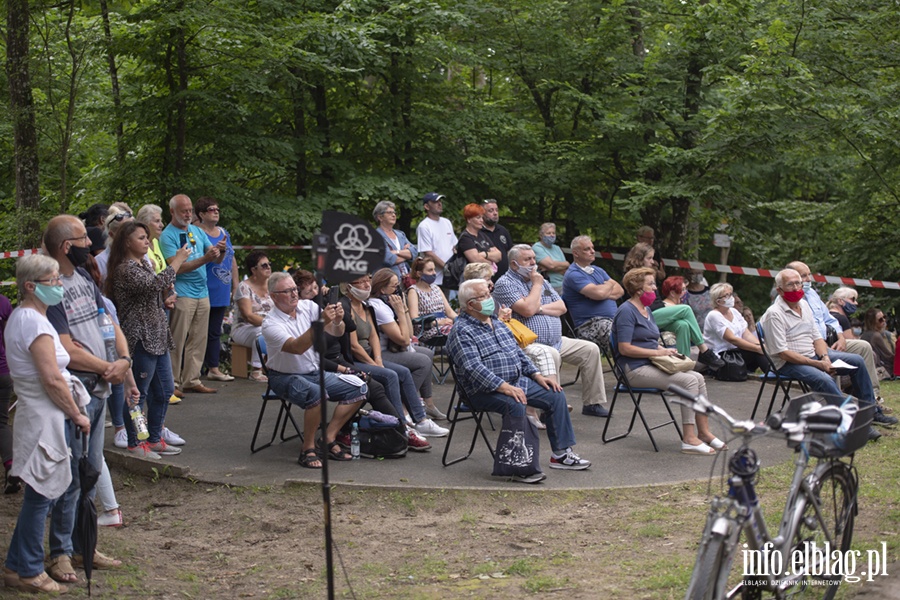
(377, 440)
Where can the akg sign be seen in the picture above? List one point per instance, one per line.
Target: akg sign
(354, 248)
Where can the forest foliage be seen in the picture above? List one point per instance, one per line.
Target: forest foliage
(773, 121)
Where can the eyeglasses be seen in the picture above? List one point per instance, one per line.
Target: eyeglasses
(389, 212)
(264, 266)
(212, 209)
(52, 281)
(292, 291)
(122, 216)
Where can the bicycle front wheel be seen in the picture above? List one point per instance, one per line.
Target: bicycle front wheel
(711, 570)
(824, 515)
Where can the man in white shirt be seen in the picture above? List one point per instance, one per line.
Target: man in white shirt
(436, 239)
(294, 368)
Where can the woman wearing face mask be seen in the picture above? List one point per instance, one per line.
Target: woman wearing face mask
(697, 295)
(725, 329)
(637, 339)
(47, 395)
(426, 298)
(368, 351)
(550, 258)
(672, 315)
(473, 243)
(842, 305)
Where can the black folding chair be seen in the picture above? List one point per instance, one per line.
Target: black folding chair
(569, 331)
(437, 344)
(284, 410)
(636, 394)
(781, 382)
(461, 409)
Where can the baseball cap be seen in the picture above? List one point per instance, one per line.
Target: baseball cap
(432, 197)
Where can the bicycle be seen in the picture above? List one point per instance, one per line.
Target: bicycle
(820, 507)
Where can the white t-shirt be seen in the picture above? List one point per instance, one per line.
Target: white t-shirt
(383, 314)
(715, 326)
(278, 328)
(24, 326)
(438, 237)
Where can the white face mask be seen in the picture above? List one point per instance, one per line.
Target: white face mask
(727, 302)
(361, 295)
(525, 271)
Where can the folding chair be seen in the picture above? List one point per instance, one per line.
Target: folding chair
(441, 369)
(284, 411)
(569, 331)
(461, 409)
(636, 394)
(782, 382)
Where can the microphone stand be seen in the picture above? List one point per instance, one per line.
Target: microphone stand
(318, 329)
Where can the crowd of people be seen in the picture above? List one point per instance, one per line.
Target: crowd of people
(123, 314)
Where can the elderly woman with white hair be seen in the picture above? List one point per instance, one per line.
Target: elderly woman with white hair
(842, 305)
(117, 214)
(151, 216)
(399, 252)
(726, 329)
(47, 395)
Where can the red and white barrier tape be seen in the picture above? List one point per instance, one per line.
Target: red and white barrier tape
(669, 262)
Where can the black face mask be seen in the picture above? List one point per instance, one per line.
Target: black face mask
(77, 255)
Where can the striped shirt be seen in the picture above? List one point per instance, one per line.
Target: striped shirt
(786, 329)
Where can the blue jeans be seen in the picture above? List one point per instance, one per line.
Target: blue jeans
(153, 376)
(559, 425)
(390, 379)
(26, 548)
(822, 382)
(63, 537)
(303, 388)
(116, 405)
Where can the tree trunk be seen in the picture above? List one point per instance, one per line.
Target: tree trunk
(114, 81)
(24, 133)
(301, 175)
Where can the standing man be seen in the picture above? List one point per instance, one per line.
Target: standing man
(436, 239)
(189, 320)
(590, 295)
(498, 234)
(551, 261)
(76, 321)
(646, 235)
(534, 302)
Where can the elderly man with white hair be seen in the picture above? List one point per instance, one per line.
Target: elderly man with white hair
(497, 376)
(539, 307)
(798, 350)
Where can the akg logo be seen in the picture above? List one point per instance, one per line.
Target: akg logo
(351, 242)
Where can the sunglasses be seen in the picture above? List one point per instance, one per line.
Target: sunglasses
(882, 320)
(122, 216)
(213, 209)
(264, 266)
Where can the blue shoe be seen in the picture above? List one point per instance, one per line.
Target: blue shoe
(594, 410)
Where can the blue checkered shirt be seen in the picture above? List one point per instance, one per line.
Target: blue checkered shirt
(511, 288)
(486, 355)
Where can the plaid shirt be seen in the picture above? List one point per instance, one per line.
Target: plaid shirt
(511, 288)
(486, 355)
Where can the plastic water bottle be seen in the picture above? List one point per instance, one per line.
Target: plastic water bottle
(108, 332)
(140, 423)
(354, 441)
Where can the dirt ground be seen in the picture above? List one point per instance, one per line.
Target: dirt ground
(190, 540)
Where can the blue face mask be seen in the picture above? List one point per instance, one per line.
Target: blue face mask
(51, 295)
(548, 240)
(487, 307)
(807, 285)
(849, 308)
(429, 279)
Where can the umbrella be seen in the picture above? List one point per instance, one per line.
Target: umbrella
(86, 513)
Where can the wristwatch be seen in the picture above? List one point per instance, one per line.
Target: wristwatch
(541, 309)
(128, 359)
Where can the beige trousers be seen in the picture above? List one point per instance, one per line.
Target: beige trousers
(586, 356)
(189, 323)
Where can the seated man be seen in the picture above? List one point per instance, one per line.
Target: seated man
(824, 319)
(590, 294)
(535, 303)
(798, 350)
(294, 368)
(497, 376)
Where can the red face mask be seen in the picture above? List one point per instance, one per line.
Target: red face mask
(793, 297)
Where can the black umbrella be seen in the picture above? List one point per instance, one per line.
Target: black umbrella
(86, 515)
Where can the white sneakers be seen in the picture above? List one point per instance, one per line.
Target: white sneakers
(121, 439)
(172, 438)
(429, 428)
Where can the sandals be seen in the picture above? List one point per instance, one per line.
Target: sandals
(60, 568)
(101, 561)
(340, 454)
(40, 583)
(701, 449)
(257, 375)
(308, 457)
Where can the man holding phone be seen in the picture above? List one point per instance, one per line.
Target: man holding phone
(189, 319)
